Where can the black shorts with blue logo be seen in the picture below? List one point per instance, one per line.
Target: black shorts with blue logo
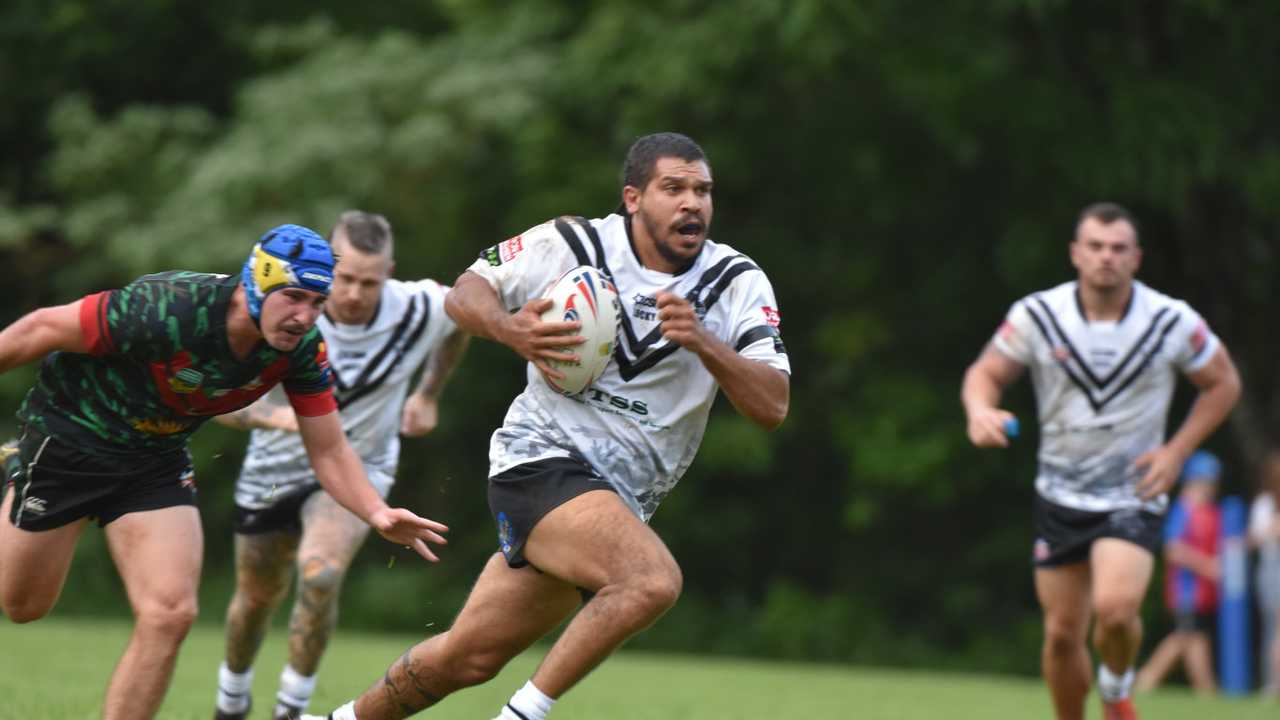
(520, 496)
(56, 483)
(1065, 535)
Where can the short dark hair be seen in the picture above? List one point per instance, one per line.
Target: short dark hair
(367, 232)
(645, 152)
(1107, 213)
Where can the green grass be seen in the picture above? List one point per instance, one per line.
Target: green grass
(57, 669)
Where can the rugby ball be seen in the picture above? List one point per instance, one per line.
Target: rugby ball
(585, 295)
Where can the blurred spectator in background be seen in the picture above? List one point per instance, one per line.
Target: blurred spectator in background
(1264, 535)
(1192, 536)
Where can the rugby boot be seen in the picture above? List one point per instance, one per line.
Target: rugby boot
(1119, 710)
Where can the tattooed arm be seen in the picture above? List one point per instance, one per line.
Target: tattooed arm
(263, 414)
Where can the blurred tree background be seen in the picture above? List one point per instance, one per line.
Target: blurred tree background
(902, 170)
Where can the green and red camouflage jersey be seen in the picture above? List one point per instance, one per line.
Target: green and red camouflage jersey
(160, 365)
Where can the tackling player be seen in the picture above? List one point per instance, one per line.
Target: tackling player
(378, 332)
(128, 376)
(1104, 351)
(573, 480)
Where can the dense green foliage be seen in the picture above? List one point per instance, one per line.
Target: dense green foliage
(631, 686)
(902, 170)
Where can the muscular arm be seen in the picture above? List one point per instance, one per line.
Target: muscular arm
(1219, 385)
(442, 363)
(983, 385)
(421, 409)
(342, 475)
(760, 392)
(262, 414)
(475, 307)
(41, 332)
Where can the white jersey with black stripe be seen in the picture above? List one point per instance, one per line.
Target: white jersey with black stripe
(373, 365)
(1102, 389)
(641, 423)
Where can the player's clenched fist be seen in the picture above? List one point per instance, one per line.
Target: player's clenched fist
(679, 323)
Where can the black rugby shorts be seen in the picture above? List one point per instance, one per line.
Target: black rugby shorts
(55, 483)
(522, 495)
(1065, 535)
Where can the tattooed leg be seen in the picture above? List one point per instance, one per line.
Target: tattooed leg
(487, 633)
(330, 538)
(263, 563)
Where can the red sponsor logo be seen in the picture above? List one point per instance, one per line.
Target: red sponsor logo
(771, 316)
(508, 249)
(1199, 338)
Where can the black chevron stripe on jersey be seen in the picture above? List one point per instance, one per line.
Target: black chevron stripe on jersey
(1089, 384)
(646, 351)
(1102, 383)
(364, 384)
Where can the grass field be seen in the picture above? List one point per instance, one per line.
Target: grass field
(57, 669)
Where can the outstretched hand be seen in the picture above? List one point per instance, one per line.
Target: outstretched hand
(1162, 466)
(403, 527)
(541, 342)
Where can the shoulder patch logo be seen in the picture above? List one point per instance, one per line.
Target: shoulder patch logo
(1199, 338)
(508, 249)
(771, 316)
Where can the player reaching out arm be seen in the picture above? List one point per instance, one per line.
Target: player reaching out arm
(128, 376)
(378, 331)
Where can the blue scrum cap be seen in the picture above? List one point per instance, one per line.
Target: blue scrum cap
(286, 256)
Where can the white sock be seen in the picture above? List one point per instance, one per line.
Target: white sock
(233, 689)
(295, 690)
(529, 703)
(1114, 687)
(346, 712)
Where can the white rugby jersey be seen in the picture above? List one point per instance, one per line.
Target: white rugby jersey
(373, 365)
(640, 424)
(1102, 388)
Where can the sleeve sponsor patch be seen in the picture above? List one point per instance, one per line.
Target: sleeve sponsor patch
(503, 252)
(1199, 338)
(771, 316)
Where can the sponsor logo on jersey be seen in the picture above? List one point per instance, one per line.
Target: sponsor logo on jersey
(641, 303)
(508, 249)
(771, 316)
(490, 256)
(596, 395)
(1199, 337)
(186, 381)
(34, 505)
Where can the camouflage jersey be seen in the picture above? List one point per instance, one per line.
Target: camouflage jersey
(160, 364)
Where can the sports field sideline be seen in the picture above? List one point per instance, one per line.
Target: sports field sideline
(57, 670)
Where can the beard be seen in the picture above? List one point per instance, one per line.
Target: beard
(662, 236)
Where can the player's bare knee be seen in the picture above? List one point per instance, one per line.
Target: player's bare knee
(320, 577)
(1115, 612)
(479, 667)
(1063, 637)
(170, 617)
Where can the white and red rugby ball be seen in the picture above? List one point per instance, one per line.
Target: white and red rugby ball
(585, 295)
